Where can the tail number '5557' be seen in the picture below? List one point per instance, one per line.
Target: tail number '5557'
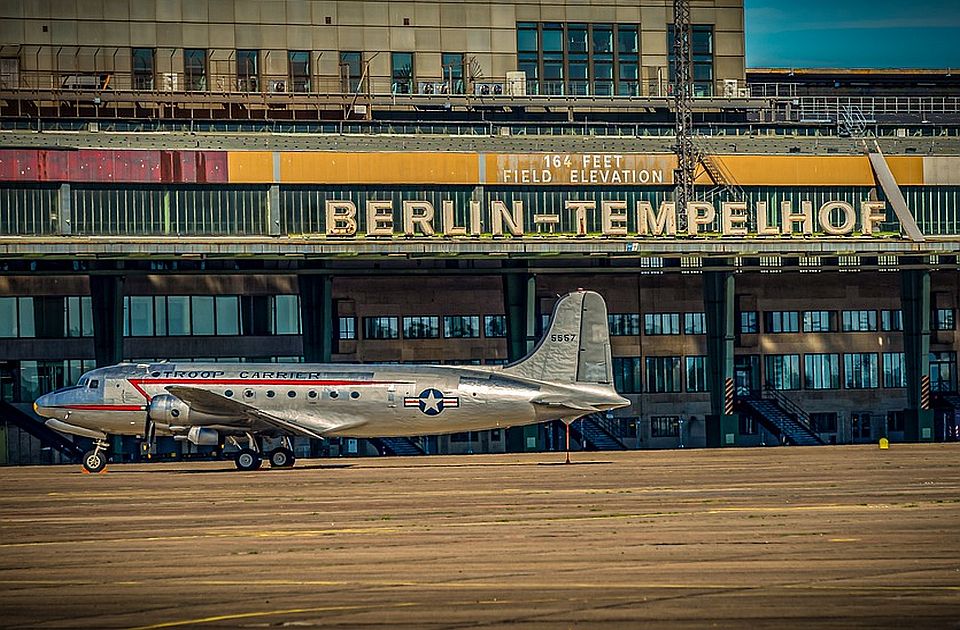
(563, 338)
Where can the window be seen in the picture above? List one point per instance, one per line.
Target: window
(461, 326)
(891, 320)
(452, 66)
(697, 374)
(286, 315)
(347, 328)
(228, 314)
(195, 69)
(694, 324)
(781, 322)
(894, 374)
(248, 70)
(381, 328)
(421, 327)
(624, 324)
(860, 370)
(783, 371)
(663, 374)
(578, 75)
(664, 426)
(860, 426)
(819, 321)
(143, 66)
(626, 375)
(202, 315)
(628, 55)
(552, 57)
(401, 64)
(494, 326)
(701, 57)
(298, 62)
(944, 319)
(943, 376)
(602, 38)
(351, 69)
(661, 324)
(821, 371)
(748, 323)
(140, 312)
(895, 421)
(9, 326)
(79, 317)
(178, 315)
(859, 321)
(824, 422)
(528, 52)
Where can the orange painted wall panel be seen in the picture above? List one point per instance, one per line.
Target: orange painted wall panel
(250, 167)
(814, 170)
(378, 168)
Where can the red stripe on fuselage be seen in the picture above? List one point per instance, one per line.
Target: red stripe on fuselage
(104, 407)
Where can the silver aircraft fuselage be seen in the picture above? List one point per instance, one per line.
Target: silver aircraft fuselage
(327, 399)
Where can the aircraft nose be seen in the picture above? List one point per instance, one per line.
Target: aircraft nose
(42, 405)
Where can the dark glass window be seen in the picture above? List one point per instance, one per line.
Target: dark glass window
(701, 58)
(494, 326)
(860, 370)
(943, 375)
(351, 69)
(248, 70)
(421, 327)
(452, 66)
(624, 324)
(347, 328)
(299, 64)
(783, 371)
(195, 69)
(694, 324)
(401, 64)
(461, 326)
(894, 370)
(859, 321)
(381, 328)
(781, 321)
(824, 422)
(626, 375)
(144, 68)
(697, 374)
(944, 319)
(663, 374)
(891, 320)
(628, 58)
(819, 321)
(661, 324)
(821, 371)
(527, 38)
(748, 322)
(664, 426)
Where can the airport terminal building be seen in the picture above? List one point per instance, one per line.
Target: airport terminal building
(417, 182)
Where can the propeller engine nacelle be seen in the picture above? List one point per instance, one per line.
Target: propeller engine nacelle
(168, 410)
(200, 436)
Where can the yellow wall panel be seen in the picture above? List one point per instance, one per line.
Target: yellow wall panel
(813, 170)
(378, 168)
(250, 167)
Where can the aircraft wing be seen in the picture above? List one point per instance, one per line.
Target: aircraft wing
(211, 403)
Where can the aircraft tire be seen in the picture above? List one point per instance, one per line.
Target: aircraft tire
(247, 459)
(93, 461)
(282, 458)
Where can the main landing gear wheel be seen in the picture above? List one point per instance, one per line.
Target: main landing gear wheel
(247, 459)
(282, 458)
(94, 461)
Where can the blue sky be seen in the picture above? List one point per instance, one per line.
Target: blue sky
(853, 33)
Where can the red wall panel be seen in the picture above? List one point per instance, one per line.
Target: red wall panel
(113, 166)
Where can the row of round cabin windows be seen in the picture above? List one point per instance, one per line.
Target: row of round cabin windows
(249, 393)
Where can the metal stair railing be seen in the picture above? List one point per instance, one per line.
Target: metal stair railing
(801, 416)
(612, 428)
(721, 177)
(42, 432)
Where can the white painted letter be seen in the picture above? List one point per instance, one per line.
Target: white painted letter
(341, 218)
(663, 222)
(696, 219)
(849, 218)
(872, 213)
(379, 218)
(418, 213)
(613, 215)
(733, 224)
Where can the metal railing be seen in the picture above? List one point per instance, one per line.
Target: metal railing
(792, 408)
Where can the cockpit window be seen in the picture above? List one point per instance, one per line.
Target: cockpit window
(94, 384)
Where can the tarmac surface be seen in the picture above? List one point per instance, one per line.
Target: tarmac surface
(789, 537)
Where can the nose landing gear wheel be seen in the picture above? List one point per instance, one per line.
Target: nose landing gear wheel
(94, 461)
(247, 459)
(282, 458)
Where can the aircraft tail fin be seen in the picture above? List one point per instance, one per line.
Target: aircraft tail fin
(576, 346)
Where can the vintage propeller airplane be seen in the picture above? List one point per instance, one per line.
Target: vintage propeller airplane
(567, 375)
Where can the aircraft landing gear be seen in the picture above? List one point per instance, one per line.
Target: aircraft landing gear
(96, 460)
(282, 458)
(247, 459)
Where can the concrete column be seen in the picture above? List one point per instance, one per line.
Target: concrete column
(106, 297)
(915, 303)
(519, 303)
(722, 425)
(65, 205)
(316, 315)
